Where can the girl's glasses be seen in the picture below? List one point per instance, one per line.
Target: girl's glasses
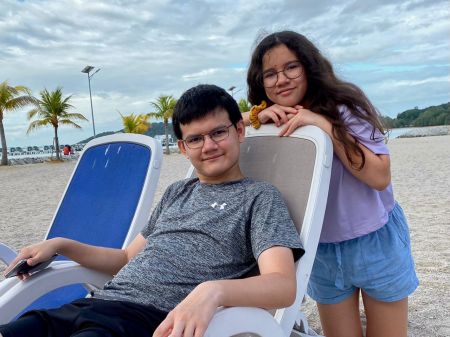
(292, 70)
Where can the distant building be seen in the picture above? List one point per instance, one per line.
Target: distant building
(162, 139)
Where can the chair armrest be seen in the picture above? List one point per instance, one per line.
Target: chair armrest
(239, 320)
(17, 295)
(7, 254)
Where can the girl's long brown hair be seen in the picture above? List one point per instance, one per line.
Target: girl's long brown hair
(324, 92)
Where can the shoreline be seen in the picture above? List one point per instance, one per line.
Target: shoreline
(425, 131)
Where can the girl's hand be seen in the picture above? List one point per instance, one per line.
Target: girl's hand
(34, 254)
(191, 317)
(303, 117)
(278, 114)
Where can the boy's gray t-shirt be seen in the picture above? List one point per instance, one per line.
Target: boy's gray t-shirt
(200, 232)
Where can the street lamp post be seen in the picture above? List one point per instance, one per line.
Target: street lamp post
(87, 70)
(231, 89)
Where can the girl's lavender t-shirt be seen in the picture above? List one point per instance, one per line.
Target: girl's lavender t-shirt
(353, 208)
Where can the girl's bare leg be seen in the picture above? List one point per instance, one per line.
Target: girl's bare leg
(386, 319)
(341, 319)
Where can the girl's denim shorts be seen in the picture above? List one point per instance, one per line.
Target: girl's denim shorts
(379, 263)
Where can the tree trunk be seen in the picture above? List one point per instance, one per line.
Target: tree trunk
(167, 135)
(58, 155)
(3, 142)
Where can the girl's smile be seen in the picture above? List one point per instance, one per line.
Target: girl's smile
(286, 92)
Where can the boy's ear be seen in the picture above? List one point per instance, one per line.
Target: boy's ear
(240, 128)
(182, 147)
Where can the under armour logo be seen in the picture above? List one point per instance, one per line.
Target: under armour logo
(220, 206)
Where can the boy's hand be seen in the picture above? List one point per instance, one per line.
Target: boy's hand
(34, 254)
(191, 317)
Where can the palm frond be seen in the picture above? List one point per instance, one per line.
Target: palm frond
(37, 124)
(164, 106)
(69, 123)
(11, 98)
(135, 123)
(53, 109)
(76, 116)
(20, 102)
(153, 115)
(32, 113)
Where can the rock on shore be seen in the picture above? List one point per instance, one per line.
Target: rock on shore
(441, 130)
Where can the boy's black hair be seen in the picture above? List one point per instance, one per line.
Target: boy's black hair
(200, 101)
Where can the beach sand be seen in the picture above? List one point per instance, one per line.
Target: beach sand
(29, 195)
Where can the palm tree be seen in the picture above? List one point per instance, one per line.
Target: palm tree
(135, 123)
(10, 100)
(244, 105)
(52, 109)
(164, 106)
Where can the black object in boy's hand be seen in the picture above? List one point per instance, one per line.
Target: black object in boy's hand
(22, 267)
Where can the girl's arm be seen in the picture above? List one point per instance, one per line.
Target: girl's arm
(277, 114)
(274, 288)
(245, 116)
(377, 168)
(107, 260)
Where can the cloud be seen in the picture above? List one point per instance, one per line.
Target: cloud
(200, 75)
(397, 51)
(433, 80)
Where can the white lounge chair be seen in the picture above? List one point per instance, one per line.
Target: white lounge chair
(299, 166)
(107, 202)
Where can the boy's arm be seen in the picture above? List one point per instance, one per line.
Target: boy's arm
(274, 288)
(106, 260)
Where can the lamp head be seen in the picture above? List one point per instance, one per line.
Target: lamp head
(87, 69)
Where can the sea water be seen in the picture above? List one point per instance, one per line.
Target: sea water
(395, 133)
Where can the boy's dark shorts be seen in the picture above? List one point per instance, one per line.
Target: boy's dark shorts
(88, 317)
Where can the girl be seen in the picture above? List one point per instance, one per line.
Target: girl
(364, 246)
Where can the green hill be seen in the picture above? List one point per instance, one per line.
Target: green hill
(158, 129)
(433, 115)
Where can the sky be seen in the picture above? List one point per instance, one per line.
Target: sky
(398, 52)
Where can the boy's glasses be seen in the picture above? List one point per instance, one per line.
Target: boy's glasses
(292, 70)
(216, 135)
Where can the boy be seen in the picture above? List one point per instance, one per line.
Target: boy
(203, 239)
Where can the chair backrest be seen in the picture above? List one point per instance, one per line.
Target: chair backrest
(300, 167)
(109, 195)
(275, 160)
(108, 199)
